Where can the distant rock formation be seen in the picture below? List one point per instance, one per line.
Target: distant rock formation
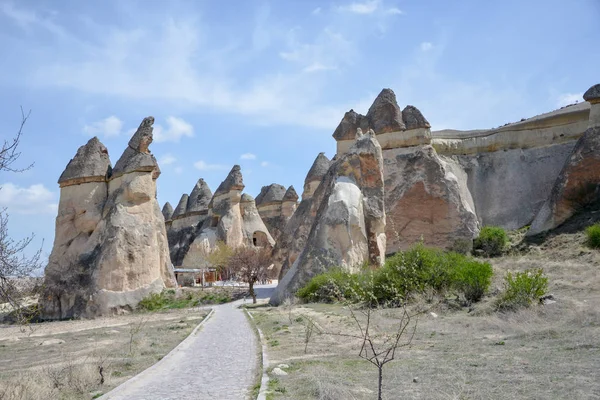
(349, 227)
(187, 220)
(578, 184)
(276, 204)
(228, 216)
(110, 248)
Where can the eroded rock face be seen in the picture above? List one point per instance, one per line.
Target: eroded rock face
(578, 184)
(349, 226)
(270, 204)
(384, 115)
(293, 238)
(413, 119)
(426, 200)
(110, 248)
(167, 211)
(90, 164)
(315, 175)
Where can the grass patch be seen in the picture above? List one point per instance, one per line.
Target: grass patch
(170, 299)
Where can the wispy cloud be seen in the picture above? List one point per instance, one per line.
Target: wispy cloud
(317, 66)
(35, 199)
(328, 51)
(107, 127)
(204, 166)
(426, 46)
(166, 60)
(248, 156)
(265, 164)
(370, 7)
(568, 98)
(316, 11)
(167, 159)
(367, 7)
(176, 129)
(394, 11)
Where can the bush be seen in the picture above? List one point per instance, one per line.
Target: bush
(522, 288)
(593, 236)
(404, 275)
(491, 240)
(334, 285)
(471, 278)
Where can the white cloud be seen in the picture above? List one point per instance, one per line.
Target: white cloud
(248, 156)
(178, 170)
(167, 159)
(367, 7)
(177, 128)
(204, 166)
(568, 98)
(426, 46)
(265, 164)
(316, 11)
(394, 11)
(317, 66)
(35, 199)
(107, 127)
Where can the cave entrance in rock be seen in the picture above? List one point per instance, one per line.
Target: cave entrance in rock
(259, 239)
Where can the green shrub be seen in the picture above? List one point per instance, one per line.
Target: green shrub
(471, 278)
(522, 288)
(408, 273)
(334, 285)
(491, 240)
(593, 236)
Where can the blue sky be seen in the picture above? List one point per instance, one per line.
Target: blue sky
(265, 83)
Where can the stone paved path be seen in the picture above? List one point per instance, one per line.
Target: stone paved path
(219, 361)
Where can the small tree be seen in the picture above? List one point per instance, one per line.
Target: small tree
(251, 264)
(379, 344)
(13, 262)
(219, 258)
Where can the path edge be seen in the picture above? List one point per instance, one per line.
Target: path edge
(264, 362)
(184, 342)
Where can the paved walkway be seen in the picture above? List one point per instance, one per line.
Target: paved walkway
(219, 361)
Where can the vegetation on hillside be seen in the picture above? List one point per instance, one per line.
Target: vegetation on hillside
(420, 270)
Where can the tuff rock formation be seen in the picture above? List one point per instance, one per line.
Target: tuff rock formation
(270, 203)
(578, 184)
(293, 239)
(187, 220)
(349, 228)
(232, 218)
(167, 211)
(425, 199)
(110, 248)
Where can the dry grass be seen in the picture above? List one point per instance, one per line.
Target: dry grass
(82, 359)
(544, 352)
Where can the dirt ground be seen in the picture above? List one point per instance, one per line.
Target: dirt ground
(545, 352)
(83, 359)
